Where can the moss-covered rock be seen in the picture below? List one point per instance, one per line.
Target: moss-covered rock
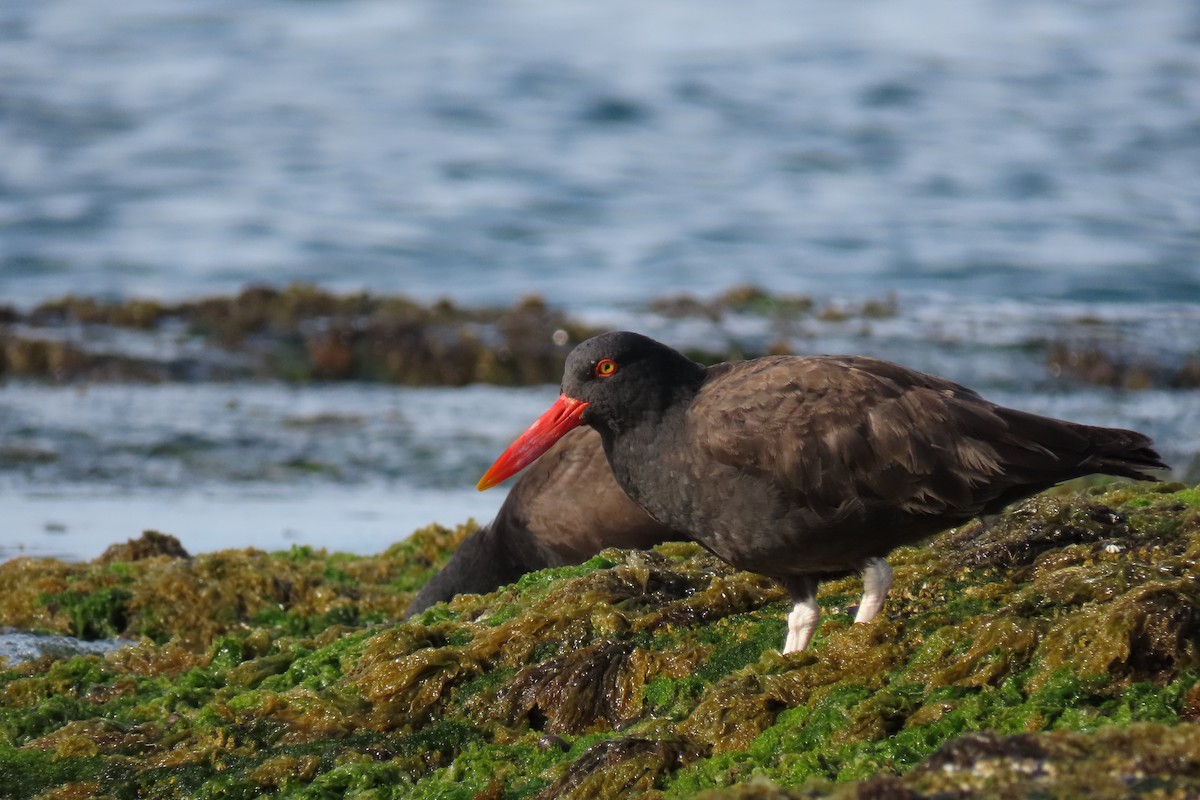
(150, 587)
(1053, 652)
(301, 332)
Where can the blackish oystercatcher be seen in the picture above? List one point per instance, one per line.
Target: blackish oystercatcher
(799, 468)
(563, 510)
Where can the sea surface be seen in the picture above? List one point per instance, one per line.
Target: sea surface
(1003, 173)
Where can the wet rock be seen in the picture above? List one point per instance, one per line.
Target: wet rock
(1053, 653)
(1033, 527)
(624, 767)
(1096, 365)
(597, 686)
(148, 545)
(17, 646)
(967, 751)
(301, 333)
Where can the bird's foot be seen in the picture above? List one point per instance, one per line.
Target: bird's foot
(877, 580)
(804, 616)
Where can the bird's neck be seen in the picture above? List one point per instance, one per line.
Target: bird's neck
(481, 562)
(636, 442)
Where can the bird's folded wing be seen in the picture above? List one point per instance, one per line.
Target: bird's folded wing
(829, 429)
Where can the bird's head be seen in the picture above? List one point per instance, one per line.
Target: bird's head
(609, 381)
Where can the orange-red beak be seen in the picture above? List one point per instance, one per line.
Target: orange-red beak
(565, 414)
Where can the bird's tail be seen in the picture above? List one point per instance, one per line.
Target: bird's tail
(1084, 449)
(1115, 451)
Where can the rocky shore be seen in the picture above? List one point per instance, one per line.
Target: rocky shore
(1054, 653)
(302, 333)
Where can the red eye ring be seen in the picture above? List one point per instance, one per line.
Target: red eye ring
(605, 368)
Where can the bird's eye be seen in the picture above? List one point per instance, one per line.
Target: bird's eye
(606, 368)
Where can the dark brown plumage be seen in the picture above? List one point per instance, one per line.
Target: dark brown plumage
(563, 510)
(800, 467)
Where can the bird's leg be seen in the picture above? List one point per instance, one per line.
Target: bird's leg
(877, 579)
(802, 621)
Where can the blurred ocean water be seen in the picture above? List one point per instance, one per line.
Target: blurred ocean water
(601, 153)
(1003, 169)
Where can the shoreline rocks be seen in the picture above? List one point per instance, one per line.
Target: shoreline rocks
(1057, 651)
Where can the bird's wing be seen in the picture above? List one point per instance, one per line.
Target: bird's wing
(821, 428)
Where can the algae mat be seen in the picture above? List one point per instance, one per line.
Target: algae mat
(1052, 653)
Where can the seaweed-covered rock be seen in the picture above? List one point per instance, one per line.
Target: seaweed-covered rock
(1053, 652)
(148, 545)
(302, 332)
(297, 333)
(149, 587)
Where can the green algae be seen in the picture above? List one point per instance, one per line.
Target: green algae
(169, 596)
(98, 614)
(1044, 653)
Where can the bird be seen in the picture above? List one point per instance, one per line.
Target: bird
(801, 468)
(563, 510)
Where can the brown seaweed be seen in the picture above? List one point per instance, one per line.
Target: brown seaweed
(1052, 652)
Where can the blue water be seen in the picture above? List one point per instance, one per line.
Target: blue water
(598, 153)
(1008, 171)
